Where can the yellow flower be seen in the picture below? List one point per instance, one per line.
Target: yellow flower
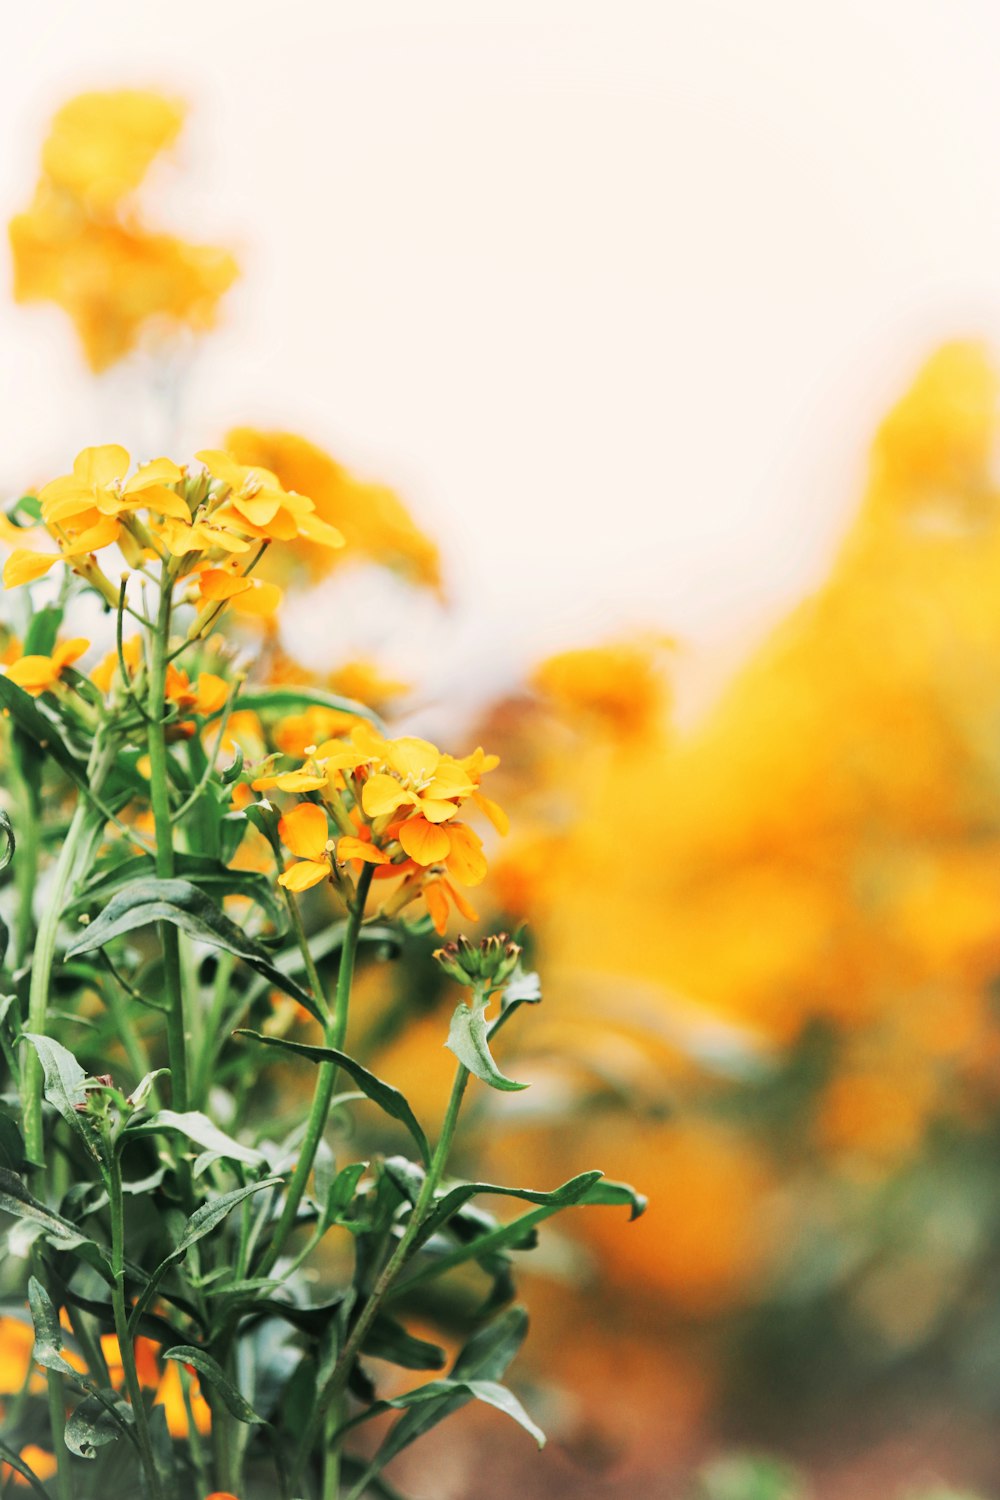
(455, 846)
(103, 675)
(372, 518)
(418, 776)
(39, 674)
(100, 145)
(258, 505)
(306, 832)
(98, 488)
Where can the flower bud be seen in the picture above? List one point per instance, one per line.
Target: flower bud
(489, 964)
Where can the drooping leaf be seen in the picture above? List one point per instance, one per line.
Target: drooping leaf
(209, 874)
(388, 1099)
(185, 906)
(198, 1128)
(16, 1200)
(210, 1369)
(202, 1222)
(482, 1361)
(98, 1420)
(389, 1340)
(288, 700)
(468, 1039)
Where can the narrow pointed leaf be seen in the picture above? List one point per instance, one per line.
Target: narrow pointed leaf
(388, 1099)
(185, 906)
(210, 1370)
(198, 1128)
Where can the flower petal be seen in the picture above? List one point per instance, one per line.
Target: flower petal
(383, 794)
(466, 861)
(413, 757)
(493, 811)
(23, 566)
(305, 831)
(306, 873)
(425, 842)
(352, 848)
(437, 812)
(101, 466)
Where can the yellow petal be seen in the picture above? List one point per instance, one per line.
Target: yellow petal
(383, 794)
(164, 502)
(94, 538)
(493, 811)
(260, 599)
(158, 471)
(315, 530)
(465, 907)
(305, 830)
(450, 780)
(23, 566)
(217, 583)
(69, 651)
(352, 848)
(222, 466)
(412, 757)
(424, 842)
(466, 861)
(258, 509)
(435, 811)
(300, 781)
(34, 673)
(212, 693)
(101, 466)
(306, 873)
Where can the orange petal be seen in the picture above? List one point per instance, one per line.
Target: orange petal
(217, 583)
(437, 905)
(425, 842)
(306, 873)
(466, 860)
(437, 812)
(465, 907)
(352, 848)
(493, 811)
(212, 693)
(305, 830)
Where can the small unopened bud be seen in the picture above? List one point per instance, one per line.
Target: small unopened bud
(490, 963)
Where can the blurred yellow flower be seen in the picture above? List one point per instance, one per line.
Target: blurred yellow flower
(100, 145)
(39, 674)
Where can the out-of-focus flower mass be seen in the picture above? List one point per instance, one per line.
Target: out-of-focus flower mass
(84, 245)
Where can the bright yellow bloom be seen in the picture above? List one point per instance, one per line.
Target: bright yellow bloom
(306, 832)
(39, 674)
(98, 488)
(418, 776)
(455, 846)
(100, 145)
(103, 675)
(371, 516)
(258, 506)
(206, 697)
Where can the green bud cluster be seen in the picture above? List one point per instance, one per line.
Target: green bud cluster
(487, 964)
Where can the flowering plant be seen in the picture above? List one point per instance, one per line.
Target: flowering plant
(206, 1280)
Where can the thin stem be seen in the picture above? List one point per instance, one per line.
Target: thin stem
(26, 865)
(337, 1383)
(43, 958)
(57, 1422)
(326, 1082)
(125, 1343)
(159, 793)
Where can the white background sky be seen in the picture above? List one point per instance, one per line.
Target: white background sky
(613, 293)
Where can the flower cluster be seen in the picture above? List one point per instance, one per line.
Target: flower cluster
(395, 805)
(211, 524)
(82, 244)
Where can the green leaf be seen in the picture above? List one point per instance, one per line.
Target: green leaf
(198, 1128)
(12, 1153)
(489, 1391)
(388, 1099)
(17, 1463)
(287, 700)
(17, 1201)
(64, 1080)
(389, 1340)
(185, 906)
(44, 732)
(482, 1362)
(467, 1038)
(47, 1351)
(208, 874)
(217, 1378)
(7, 834)
(201, 1223)
(98, 1420)
(341, 1192)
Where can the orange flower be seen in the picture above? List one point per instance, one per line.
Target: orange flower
(416, 775)
(307, 833)
(257, 505)
(41, 1463)
(39, 674)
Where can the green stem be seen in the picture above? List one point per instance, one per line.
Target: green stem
(125, 1343)
(159, 794)
(337, 1383)
(326, 1082)
(26, 865)
(57, 1422)
(43, 958)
